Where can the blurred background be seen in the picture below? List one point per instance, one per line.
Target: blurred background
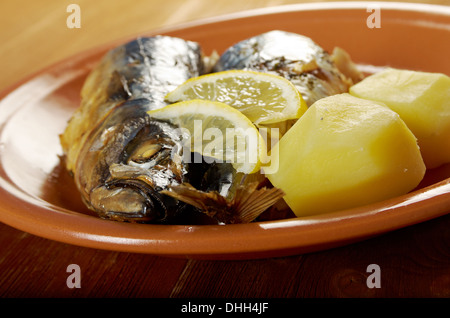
(34, 34)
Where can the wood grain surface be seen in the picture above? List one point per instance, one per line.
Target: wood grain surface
(415, 261)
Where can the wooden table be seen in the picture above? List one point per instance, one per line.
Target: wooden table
(414, 261)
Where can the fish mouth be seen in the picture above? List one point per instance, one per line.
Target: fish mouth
(132, 200)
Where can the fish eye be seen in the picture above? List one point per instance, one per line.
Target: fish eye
(145, 152)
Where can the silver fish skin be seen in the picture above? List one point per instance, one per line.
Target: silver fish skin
(121, 158)
(293, 56)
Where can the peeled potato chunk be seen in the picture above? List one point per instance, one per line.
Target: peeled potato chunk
(345, 152)
(422, 100)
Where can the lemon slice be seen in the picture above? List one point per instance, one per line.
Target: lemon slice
(264, 98)
(218, 132)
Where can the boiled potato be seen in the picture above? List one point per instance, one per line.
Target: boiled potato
(422, 100)
(345, 152)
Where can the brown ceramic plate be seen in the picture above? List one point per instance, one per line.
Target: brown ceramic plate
(38, 197)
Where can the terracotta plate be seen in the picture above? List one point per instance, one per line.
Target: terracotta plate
(37, 196)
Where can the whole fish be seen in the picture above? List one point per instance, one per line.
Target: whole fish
(293, 56)
(129, 166)
(121, 158)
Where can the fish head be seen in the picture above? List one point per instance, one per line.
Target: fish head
(127, 162)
